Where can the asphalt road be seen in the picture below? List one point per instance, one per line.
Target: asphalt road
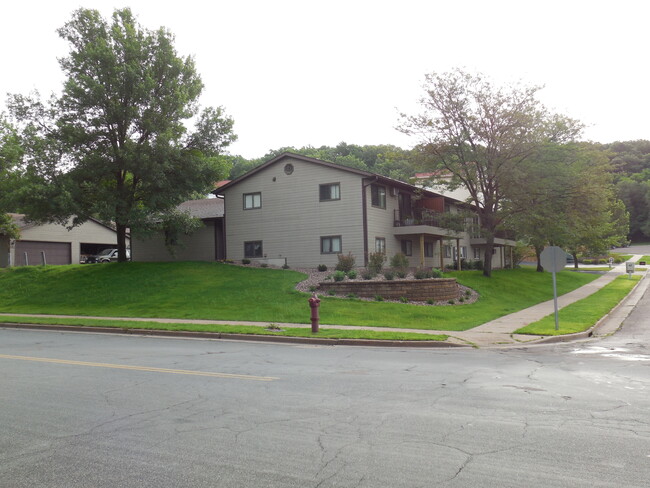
(92, 410)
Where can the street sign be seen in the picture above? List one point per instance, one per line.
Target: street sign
(553, 259)
(629, 269)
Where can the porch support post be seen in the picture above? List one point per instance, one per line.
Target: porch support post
(442, 256)
(458, 254)
(422, 250)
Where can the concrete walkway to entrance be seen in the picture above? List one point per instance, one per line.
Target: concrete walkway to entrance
(496, 333)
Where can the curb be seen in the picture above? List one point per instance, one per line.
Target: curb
(238, 337)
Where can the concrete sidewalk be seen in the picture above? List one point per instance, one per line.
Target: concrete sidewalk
(496, 333)
(500, 332)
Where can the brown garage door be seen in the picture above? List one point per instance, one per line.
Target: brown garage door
(55, 252)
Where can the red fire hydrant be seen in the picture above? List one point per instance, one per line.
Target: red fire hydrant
(314, 303)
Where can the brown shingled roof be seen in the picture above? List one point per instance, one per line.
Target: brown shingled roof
(207, 208)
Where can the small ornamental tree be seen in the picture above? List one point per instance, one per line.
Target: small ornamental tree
(376, 262)
(345, 262)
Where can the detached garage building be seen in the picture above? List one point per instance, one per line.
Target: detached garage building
(54, 242)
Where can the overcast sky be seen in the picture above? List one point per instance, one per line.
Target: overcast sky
(296, 73)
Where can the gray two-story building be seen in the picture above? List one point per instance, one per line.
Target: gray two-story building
(304, 212)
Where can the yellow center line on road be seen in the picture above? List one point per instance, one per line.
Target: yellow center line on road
(141, 368)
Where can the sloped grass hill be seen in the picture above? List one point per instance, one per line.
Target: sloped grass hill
(199, 290)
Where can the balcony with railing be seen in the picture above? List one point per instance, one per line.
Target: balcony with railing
(422, 220)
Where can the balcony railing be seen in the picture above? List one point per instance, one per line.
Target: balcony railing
(423, 216)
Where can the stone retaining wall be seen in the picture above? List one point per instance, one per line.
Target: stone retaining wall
(436, 289)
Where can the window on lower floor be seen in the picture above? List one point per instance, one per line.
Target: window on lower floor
(407, 248)
(253, 249)
(380, 244)
(330, 245)
(428, 249)
(477, 253)
(448, 251)
(463, 252)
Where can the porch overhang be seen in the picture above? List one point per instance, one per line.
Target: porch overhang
(498, 241)
(427, 230)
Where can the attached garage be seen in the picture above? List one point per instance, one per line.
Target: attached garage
(33, 252)
(60, 244)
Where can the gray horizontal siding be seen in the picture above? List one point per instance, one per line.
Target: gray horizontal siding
(200, 246)
(292, 219)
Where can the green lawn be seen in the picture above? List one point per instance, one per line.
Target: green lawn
(583, 314)
(230, 329)
(198, 290)
(624, 257)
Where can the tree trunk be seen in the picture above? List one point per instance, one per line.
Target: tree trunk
(121, 243)
(538, 254)
(487, 264)
(575, 259)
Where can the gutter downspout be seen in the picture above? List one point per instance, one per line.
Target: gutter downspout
(224, 252)
(364, 212)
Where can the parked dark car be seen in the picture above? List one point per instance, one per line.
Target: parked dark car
(106, 256)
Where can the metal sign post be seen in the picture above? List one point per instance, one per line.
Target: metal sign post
(557, 316)
(553, 259)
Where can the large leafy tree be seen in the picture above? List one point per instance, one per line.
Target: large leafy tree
(631, 163)
(476, 134)
(10, 157)
(115, 144)
(386, 160)
(571, 203)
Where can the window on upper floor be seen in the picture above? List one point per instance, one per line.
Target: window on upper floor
(330, 245)
(329, 191)
(252, 200)
(378, 196)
